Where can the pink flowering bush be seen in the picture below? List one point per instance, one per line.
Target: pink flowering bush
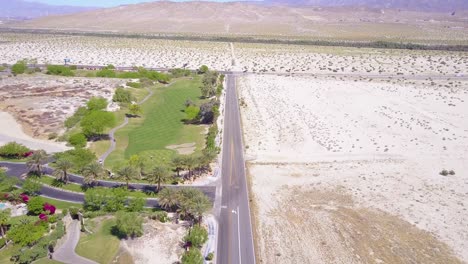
(50, 209)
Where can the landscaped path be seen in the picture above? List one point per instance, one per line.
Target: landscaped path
(112, 132)
(66, 252)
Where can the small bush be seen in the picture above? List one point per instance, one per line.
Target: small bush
(64, 212)
(36, 205)
(13, 150)
(451, 172)
(2, 242)
(193, 256)
(444, 173)
(134, 84)
(74, 212)
(210, 256)
(77, 140)
(19, 68)
(161, 216)
(52, 135)
(94, 214)
(136, 204)
(59, 70)
(197, 236)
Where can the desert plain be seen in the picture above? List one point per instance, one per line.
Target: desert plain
(347, 170)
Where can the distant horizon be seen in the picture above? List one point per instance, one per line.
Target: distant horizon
(112, 3)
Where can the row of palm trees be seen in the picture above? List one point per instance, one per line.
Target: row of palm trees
(194, 164)
(187, 203)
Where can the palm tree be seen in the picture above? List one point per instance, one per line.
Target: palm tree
(158, 175)
(190, 163)
(168, 198)
(4, 219)
(36, 160)
(92, 172)
(63, 167)
(178, 164)
(201, 205)
(127, 173)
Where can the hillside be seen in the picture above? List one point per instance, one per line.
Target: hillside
(415, 5)
(347, 23)
(27, 10)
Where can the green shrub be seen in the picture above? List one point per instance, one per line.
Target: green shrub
(197, 236)
(64, 212)
(31, 187)
(53, 219)
(27, 234)
(134, 84)
(193, 256)
(191, 112)
(136, 204)
(2, 242)
(13, 150)
(74, 212)
(76, 117)
(210, 256)
(36, 205)
(19, 67)
(106, 73)
(79, 157)
(77, 140)
(129, 224)
(96, 103)
(161, 216)
(59, 70)
(180, 72)
(122, 96)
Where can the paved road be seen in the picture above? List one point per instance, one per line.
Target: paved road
(235, 238)
(66, 252)
(19, 169)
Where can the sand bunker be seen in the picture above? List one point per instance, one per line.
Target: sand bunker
(183, 149)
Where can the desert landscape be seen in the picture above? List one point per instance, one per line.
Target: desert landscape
(347, 170)
(41, 103)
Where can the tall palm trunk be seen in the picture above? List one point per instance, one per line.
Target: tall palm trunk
(2, 230)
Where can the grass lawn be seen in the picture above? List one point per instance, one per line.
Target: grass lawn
(49, 180)
(47, 261)
(6, 253)
(61, 204)
(160, 126)
(101, 246)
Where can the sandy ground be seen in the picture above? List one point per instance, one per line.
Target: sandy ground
(160, 244)
(220, 56)
(347, 170)
(12, 131)
(41, 103)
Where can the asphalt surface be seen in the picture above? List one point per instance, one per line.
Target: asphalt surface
(20, 169)
(66, 252)
(235, 238)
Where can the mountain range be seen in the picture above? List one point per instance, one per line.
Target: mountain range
(20, 9)
(415, 5)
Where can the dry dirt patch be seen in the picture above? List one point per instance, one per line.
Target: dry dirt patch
(342, 232)
(159, 244)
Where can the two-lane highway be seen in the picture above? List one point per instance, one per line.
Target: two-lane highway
(235, 238)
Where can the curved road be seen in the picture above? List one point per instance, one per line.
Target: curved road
(66, 252)
(19, 169)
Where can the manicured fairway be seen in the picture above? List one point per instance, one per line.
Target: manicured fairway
(101, 246)
(161, 125)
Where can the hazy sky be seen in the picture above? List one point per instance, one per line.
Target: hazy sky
(99, 2)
